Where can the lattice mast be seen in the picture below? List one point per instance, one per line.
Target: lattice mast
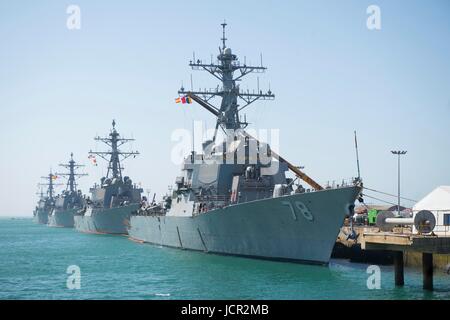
(224, 70)
(72, 175)
(114, 156)
(50, 184)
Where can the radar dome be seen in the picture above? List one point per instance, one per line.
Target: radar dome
(227, 51)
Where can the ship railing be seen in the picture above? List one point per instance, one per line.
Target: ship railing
(333, 184)
(213, 198)
(330, 184)
(256, 186)
(442, 230)
(341, 183)
(204, 204)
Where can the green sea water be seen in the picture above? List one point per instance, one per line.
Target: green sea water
(34, 261)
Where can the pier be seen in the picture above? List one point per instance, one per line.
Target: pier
(399, 243)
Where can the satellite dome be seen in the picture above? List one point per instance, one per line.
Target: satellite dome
(227, 51)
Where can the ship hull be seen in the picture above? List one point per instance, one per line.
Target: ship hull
(41, 217)
(301, 227)
(106, 221)
(62, 218)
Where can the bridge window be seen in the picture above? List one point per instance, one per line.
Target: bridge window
(446, 219)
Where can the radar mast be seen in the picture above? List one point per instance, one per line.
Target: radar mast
(114, 141)
(224, 70)
(50, 184)
(72, 175)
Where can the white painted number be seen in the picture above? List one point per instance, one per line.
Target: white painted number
(287, 203)
(301, 207)
(304, 210)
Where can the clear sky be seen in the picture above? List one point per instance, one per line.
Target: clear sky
(330, 74)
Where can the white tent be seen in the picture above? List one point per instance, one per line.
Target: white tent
(438, 199)
(438, 202)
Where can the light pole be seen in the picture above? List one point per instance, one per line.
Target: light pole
(398, 153)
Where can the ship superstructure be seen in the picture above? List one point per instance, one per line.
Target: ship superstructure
(111, 202)
(70, 200)
(46, 202)
(234, 197)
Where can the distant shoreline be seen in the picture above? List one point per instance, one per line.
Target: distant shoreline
(15, 217)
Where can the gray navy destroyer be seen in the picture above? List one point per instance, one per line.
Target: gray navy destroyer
(70, 200)
(230, 200)
(46, 202)
(112, 201)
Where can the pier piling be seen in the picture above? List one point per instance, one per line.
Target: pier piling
(398, 243)
(398, 266)
(427, 267)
